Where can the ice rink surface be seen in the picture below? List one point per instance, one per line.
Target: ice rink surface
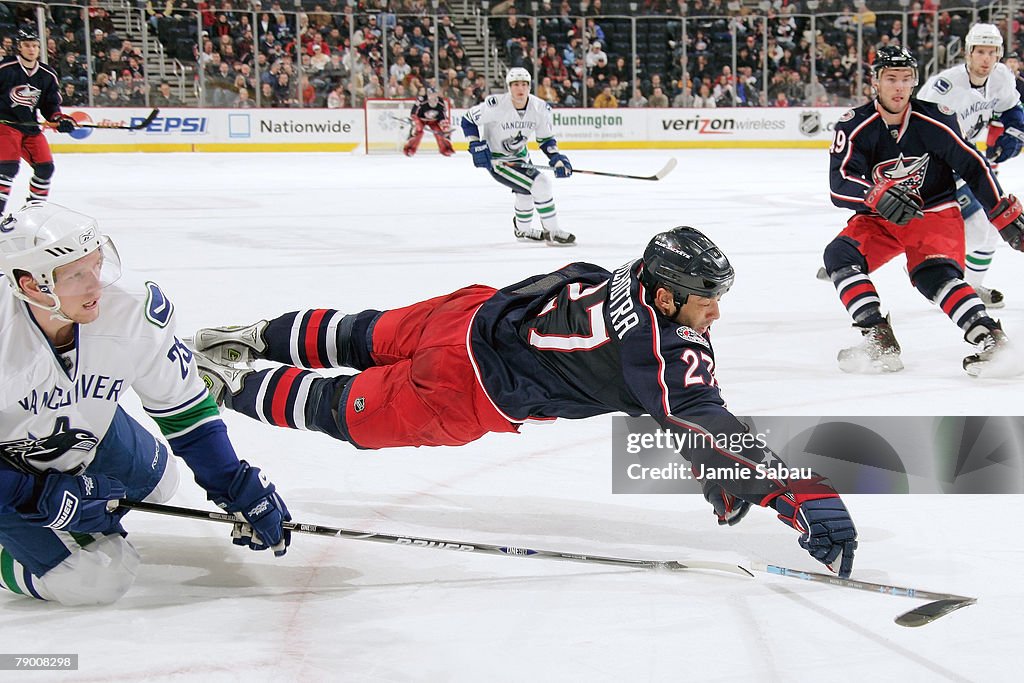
(235, 238)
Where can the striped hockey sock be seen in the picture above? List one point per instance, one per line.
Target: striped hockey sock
(291, 397)
(858, 294)
(961, 303)
(38, 189)
(15, 578)
(320, 338)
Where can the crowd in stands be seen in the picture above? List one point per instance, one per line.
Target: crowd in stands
(333, 53)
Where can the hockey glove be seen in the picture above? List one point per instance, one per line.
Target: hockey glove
(1006, 217)
(826, 529)
(728, 508)
(77, 503)
(65, 124)
(260, 511)
(560, 162)
(893, 202)
(481, 154)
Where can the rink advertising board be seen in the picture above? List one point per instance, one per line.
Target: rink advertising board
(342, 130)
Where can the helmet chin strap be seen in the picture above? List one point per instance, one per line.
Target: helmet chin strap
(53, 310)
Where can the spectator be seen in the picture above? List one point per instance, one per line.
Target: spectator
(704, 99)
(164, 97)
(336, 98)
(606, 100)
(658, 99)
(637, 101)
(547, 92)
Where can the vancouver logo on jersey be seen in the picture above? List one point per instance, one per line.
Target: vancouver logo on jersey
(25, 96)
(513, 145)
(31, 454)
(910, 171)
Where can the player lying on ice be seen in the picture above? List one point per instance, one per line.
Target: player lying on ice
(577, 342)
(74, 342)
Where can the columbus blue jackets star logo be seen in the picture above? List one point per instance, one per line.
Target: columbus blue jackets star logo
(909, 170)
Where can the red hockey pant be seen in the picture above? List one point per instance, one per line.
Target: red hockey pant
(938, 235)
(423, 390)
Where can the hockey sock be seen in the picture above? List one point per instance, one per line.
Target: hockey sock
(39, 185)
(858, 294)
(320, 338)
(8, 169)
(524, 212)
(291, 397)
(977, 264)
(548, 215)
(961, 303)
(17, 579)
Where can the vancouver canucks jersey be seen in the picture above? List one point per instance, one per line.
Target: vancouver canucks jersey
(974, 107)
(924, 148)
(506, 130)
(56, 407)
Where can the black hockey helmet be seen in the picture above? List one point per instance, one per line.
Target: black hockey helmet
(685, 261)
(26, 34)
(893, 57)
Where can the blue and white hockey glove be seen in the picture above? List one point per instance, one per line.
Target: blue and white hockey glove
(560, 162)
(826, 529)
(1008, 145)
(260, 510)
(77, 503)
(481, 154)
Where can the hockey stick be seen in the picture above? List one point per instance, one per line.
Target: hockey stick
(665, 170)
(941, 605)
(483, 548)
(110, 126)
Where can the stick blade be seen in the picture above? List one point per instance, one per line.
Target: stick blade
(678, 566)
(926, 614)
(667, 169)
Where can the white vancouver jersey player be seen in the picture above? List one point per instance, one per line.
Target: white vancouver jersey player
(506, 130)
(974, 106)
(70, 398)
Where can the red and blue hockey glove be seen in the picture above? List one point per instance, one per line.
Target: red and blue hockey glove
(260, 510)
(893, 202)
(481, 154)
(827, 532)
(1006, 217)
(728, 508)
(77, 503)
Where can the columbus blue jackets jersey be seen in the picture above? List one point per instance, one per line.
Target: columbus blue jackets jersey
(925, 149)
(423, 110)
(582, 341)
(22, 92)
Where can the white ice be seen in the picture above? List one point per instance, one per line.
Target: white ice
(235, 238)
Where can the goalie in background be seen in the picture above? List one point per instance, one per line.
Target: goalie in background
(430, 111)
(894, 161)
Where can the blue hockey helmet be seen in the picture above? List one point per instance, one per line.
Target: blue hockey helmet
(685, 261)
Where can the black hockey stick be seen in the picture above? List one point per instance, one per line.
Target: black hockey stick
(144, 123)
(941, 605)
(483, 548)
(665, 170)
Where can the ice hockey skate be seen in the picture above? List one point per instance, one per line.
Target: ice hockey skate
(995, 356)
(560, 238)
(992, 298)
(878, 352)
(220, 380)
(529, 234)
(231, 344)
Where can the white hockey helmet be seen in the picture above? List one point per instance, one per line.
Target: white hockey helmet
(984, 34)
(517, 74)
(39, 238)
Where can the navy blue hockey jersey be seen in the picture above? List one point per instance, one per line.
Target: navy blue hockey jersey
(23, 92)
(582, 341)
(926, 148)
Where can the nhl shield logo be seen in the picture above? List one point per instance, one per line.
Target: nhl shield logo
(359, 405)
(810, 123)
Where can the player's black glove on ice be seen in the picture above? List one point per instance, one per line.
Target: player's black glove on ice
(65, 124)
(261, 511)
(894, 202)
(813, 508)
(1006, 217)
(77, 503)
(481, 154)
(728, 508)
